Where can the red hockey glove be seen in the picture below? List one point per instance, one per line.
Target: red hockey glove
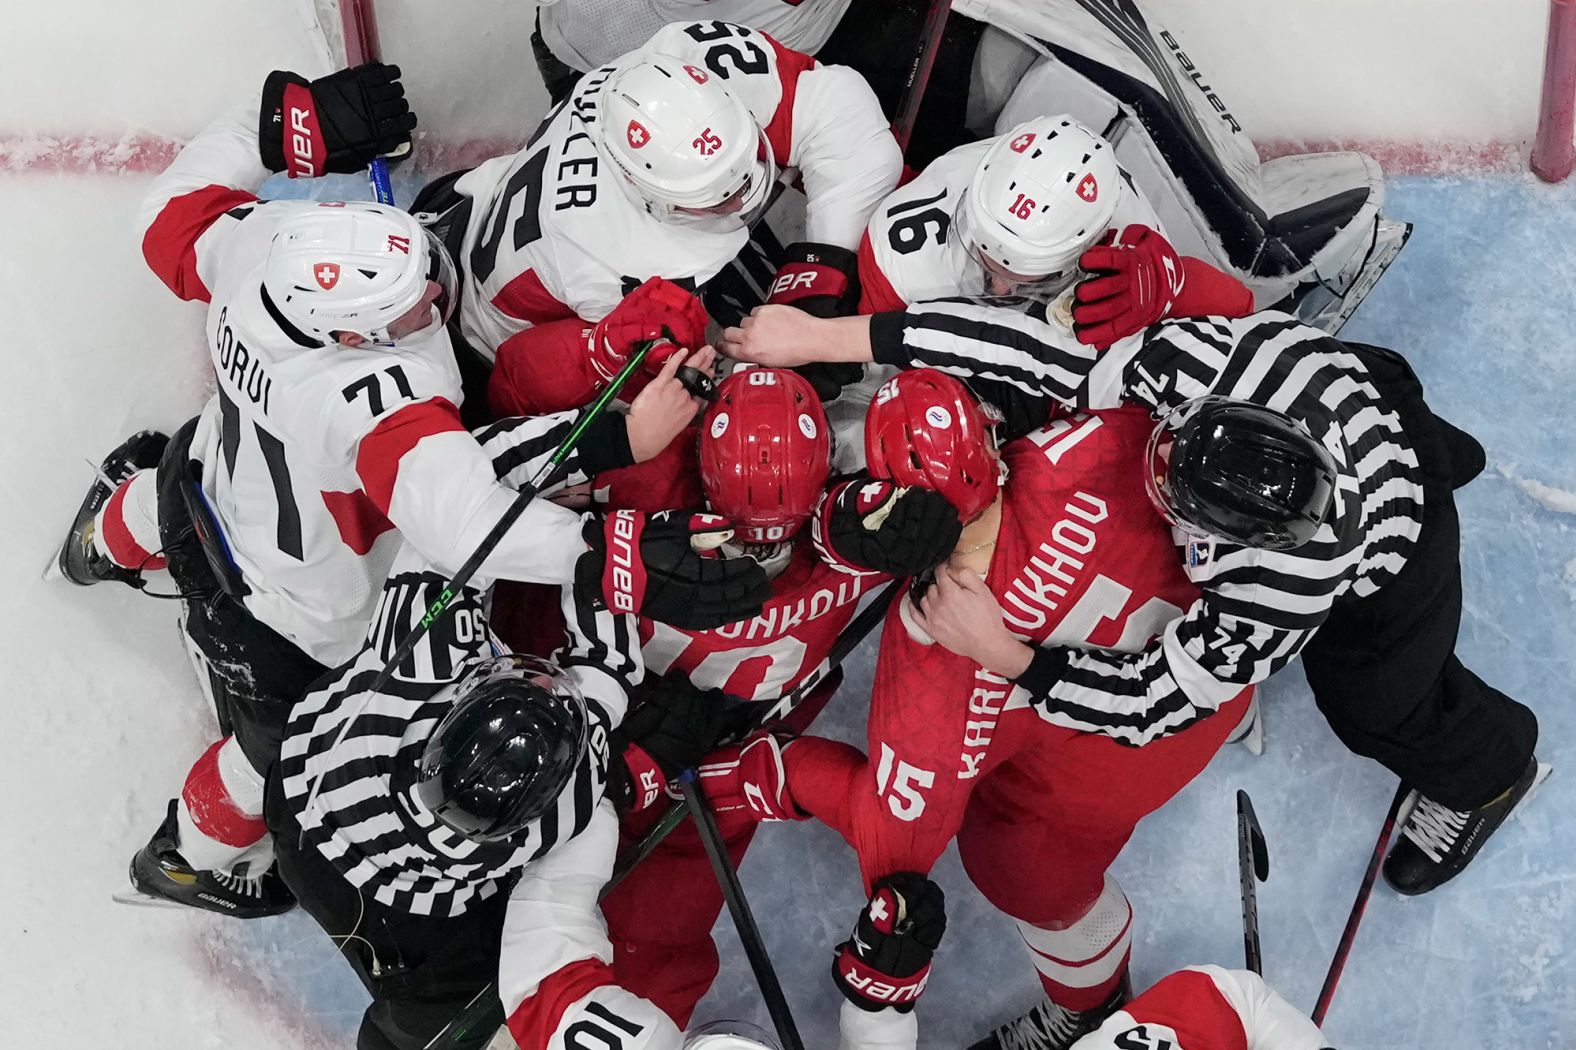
(666, 566)
(823, 281)
(335, 123)
(887, 960)
(879, 527)
(750, 777)
(657, 310)
(1132, 283)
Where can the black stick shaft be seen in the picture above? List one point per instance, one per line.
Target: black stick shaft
(743, 919)
(1252, 954)
(919, 72)
(1343, 948)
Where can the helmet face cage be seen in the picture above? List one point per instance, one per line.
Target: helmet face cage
(510, 743)
(765, 453)
(1240, 471)
(925, 429)
(440, 271)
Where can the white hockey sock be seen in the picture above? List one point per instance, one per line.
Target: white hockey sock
(127, 528)
(220, 813)
(1081, 964)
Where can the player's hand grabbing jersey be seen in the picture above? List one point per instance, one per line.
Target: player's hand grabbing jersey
(1258, 607)
(911, 254)
(554, 232)
(1081, 558)
(312, 454)
(584, 35)
(1207, 1008)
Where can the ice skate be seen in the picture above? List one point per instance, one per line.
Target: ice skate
(1250, 731)
(80, 560)
(1436, 844)
(1052, 1027)
(161, 876)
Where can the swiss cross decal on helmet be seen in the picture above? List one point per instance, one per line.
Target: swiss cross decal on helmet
(327, 275)
(637, 135)
(1089, 189)
(1022, 142)
(697, 75)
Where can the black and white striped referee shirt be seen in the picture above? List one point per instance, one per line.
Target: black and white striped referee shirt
(365, 818)
(1258, 608)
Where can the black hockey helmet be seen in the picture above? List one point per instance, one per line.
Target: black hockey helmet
(506, 750)
(1240, 471)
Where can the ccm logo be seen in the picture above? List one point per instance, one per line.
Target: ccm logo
(301, 143)
(790, 281)
(621, 556)
(882, 992)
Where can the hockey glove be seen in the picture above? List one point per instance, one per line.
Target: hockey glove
(670, 730)
(336, 123)
(1133, 282)
(887, 961)
(823, 281)
(879, 527)
(750, 778)
(667, 566)
(657, 310)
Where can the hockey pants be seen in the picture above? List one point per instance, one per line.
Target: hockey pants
(1383, 668)
(660, 917)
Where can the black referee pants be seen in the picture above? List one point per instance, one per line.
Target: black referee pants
(421, 971)
(1383, 668)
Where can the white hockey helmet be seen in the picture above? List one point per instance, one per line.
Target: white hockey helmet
(1044, 193)
(359, 268)
(690, 149)
(729, 1035)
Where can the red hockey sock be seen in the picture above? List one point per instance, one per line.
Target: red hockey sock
(1081, 964)
(127, 531)
(220, 809)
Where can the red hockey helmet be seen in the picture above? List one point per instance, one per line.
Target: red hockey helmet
(926, 430)
(765, 452)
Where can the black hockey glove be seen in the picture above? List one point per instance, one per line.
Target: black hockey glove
(670, 729)
(878, 526)
(887, 961)
(336, 123)
(822, 280)
(667, 566)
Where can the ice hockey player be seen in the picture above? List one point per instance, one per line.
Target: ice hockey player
(1029, 213)
(1072, 552)
(1207, 1008)
(879, 40)
(656, 168)
(1315, 509)
(456, 826)
(764, 459)
(333, 432)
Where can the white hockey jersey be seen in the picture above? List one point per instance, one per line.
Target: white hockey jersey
(312, 454)
(1207, 1008)
(556, 232)
(584, 34)
(909, 253)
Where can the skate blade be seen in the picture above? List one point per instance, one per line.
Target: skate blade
(1250, 731)
(52, 571)
(135, 897)
(1544, 771)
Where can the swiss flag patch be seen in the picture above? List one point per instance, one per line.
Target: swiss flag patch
(697, 75)
(327, 275)
(1022, 142)
(637, 135)
(1089, 189)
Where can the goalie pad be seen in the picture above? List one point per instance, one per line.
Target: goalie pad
(1305, 233)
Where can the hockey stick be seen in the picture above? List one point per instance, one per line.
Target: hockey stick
(456, 584)
(739, 907)
(1343, 947)
(919, 73)
(360, 24)
(1253, 862)
(484, 1008)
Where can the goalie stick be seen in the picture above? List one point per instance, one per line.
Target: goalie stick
(484, 1009)
(919, 74)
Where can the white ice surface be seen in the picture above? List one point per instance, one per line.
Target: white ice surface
(104, 717)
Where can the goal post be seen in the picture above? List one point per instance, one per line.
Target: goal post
(1554, 147)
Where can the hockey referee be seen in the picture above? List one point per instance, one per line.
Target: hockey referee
(1311, 488)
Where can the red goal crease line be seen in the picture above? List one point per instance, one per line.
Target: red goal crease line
(144, 154)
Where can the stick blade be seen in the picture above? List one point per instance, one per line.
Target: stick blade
(1252, 836)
